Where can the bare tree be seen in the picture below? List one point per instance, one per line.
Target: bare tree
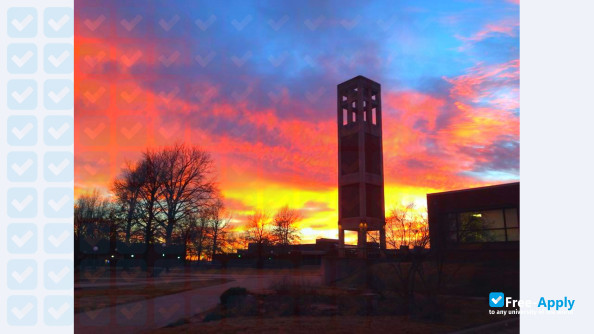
(186, 183)
(149, 173)
(420, 230)
(284, 229)
(168, 196)
(258, 232)
(405, 226)
(200, 234)
(94, 221)
(219, 223)
(87, 208)
(126, 189)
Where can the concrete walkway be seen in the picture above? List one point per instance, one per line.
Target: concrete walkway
(142, 316)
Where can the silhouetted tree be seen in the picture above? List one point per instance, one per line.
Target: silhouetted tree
(186, 183)
(405, 226)
(219, 224)
(149, 172)
(95, 221)
(126, 189)
(258, 232)
(167, 196)
(284, 229)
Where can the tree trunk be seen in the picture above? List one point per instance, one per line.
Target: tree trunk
(214, 245)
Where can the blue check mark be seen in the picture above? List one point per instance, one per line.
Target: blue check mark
(496, 299)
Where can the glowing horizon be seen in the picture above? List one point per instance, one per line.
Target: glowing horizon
(256, 87)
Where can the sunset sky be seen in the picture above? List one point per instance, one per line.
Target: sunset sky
(255, 85)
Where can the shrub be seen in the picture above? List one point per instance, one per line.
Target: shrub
(233, 296)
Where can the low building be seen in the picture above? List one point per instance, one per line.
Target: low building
(485, 218)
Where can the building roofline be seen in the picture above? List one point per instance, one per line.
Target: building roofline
(477, 188)
(358, 78)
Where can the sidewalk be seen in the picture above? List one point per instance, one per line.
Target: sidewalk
(159, 312)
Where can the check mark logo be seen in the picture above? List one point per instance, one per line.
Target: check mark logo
(203, 25)
(58, 133)
(57, 61)
(167, 25)
(60, 23)
(21, 25)
(21, 97)
(21, 61)
(93, 25)
(93, 60)
(59, 204)
(20, 278)
(21, 133)
(21, 205)
(58, 313)
(496, 300)
(22, 312)
(59, 168)
(168, 60)
(129, 133)
(167, 97)
(93, 133)
(129, 312)
(129, 25)
(130, 97)
(129, 61)
(20, 170)
(59, 276)
(58, 97)
(20, 241)
(59, 240)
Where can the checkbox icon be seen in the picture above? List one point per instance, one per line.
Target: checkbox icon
(21, 310)
(22, 94)
(58, 130)
(58, 166)
(58, 202)
(94, 21)
(58, 94)
(21, 203)
(58, 58)
(89, 164)
(131, 130)
(22, 58)
(130, 96)
(58, 22)
(58, 275)
(131, 22)
(168, 22)
(22, 22)
(22, 238)
(21, 130)
(94, 58)
(94, 94)
(22, 166)
(96, 316)
(496, 299)
(22, 274)
(58, 238)
(132, 314)
(58, 310)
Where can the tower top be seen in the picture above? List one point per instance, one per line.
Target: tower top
(358, 79)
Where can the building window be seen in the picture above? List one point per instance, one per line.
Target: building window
(483, 226)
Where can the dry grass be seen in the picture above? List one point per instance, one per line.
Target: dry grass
(460, 313)
(337, 324)
(96, 298)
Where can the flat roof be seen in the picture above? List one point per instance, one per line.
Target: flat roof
(477, 188)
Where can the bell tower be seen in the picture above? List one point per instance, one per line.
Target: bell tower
(360, 161)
